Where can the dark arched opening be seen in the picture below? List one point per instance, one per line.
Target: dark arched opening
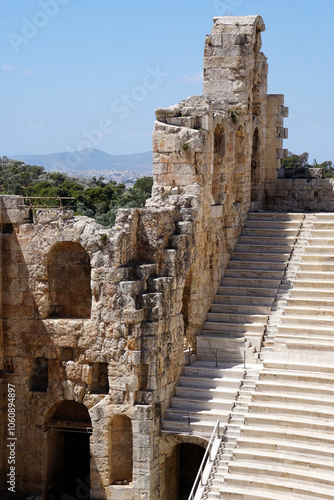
(218, 158)
(69, 281)
(121, 450)
(255, 166)
(239, 164)
(68, 458)
(181, 469)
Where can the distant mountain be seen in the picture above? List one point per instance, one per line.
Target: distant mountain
(89, 160)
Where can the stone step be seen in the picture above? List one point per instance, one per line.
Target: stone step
(198, 427)
(317, 267)
(258, 256)
(309, 309)
(290, 421)
(288, 486)
(253, 273)
(207, 393)
(271, 232)
(260, 444)
(254, 264)
(315, 284)
(244, 300)
(318, 258)
(312, 322)
(182, 416)
(218, 317)
(292, 387)
(290, 458)
(240, 309)
(246, 493)
(275, 216)
(232, 328)
(285, 242)
(294, 397)
(263, 248)
(313, 249)
(227, 383)
(287, 434)
(222, 372)
(278, 469)
(292, 410)
(310, 293)
(300, 331)
(246, 291)
(272, 225)
(250, 282)
(297, 369)
(198, 402)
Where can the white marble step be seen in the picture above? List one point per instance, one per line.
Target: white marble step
(282, 241)
(320, 450)
(290, 421)
(271, 232)
(232, 318)
(292, 409)
(257, 265)
(317, 267)
(209, 370)
(246, 493)
(250, 282)
(198, 427)
(272, 225)
(222, 394)
(318, 481)
(231, 328)
(195, 404)
(275, 216)
(306, 399)
(253, 273)
(227, 384)
(312, 321)
(291, 387)
(261, 256)
(309, 308)
(263, 249)
(247, 291)
(288, 485)
(241, 310)
(244, 300)
(288, 434)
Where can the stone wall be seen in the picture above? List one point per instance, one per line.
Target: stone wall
(303, 195)
(152, 277)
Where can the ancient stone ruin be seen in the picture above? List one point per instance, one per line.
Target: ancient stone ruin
(121, 348)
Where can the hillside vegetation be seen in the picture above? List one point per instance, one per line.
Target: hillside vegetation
(93, 197)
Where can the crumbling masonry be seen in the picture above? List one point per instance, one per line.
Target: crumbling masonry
(93, 327)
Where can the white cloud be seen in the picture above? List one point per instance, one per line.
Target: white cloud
(195, 78)
(28, 71)
(7, 67)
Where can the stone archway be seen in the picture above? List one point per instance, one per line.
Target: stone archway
(68, 426)
(255, 166)
(180, 470)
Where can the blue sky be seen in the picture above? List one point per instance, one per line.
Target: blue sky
(78, 73)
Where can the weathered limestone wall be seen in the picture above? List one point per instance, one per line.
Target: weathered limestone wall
(119, 352)
(304, 195)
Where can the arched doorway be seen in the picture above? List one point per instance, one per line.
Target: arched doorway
(255, 166)
(239, 165)
(69, 281)
(69, 427)
(218, 160)
(181, 469)
(121, 450)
